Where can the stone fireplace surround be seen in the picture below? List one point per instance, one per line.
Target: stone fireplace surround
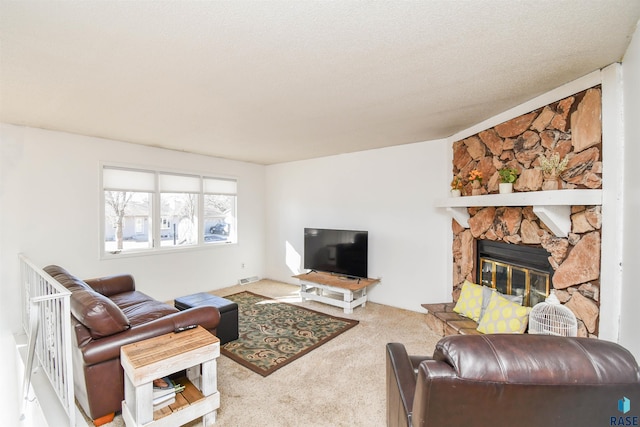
(571, 127)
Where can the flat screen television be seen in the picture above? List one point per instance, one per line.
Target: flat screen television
(342, 252)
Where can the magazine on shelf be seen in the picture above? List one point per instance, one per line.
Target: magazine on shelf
(163, 387)
(169, 400)
(164, 392)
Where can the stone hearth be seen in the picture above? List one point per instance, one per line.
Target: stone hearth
(572, 128)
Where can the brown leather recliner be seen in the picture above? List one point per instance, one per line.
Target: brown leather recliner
(513, 380)
(107, 313)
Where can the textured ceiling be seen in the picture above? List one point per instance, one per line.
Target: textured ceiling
(277, 81)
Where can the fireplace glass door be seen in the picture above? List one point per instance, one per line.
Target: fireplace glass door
(509, 279)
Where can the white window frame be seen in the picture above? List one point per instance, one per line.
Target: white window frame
(156, 218)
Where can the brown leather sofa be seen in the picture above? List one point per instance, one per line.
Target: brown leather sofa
(513, 380)
(108, 313)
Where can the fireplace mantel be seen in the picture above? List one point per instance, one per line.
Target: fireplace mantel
(553, 207)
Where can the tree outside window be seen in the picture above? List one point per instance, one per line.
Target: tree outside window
(127, 219)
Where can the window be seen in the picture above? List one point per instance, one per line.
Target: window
(179, 196)
(219, 210)
(128, 197)
(152, 210)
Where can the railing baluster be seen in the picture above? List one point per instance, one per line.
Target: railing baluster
(46, 321)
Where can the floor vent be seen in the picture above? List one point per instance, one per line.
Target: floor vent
(248, 280)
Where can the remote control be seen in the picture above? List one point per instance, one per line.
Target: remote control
(184, 328)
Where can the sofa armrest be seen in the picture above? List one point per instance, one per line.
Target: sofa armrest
(424, 410)
(401, 384)
(108, 348)
(112, 285)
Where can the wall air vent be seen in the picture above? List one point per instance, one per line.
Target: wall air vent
(248, 280)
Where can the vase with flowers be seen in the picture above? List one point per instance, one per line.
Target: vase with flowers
(551, 168)
(456, 186)
(475, 178)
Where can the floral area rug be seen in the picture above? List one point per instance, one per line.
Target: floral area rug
(274, 333)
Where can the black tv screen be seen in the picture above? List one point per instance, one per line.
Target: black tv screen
(342, 252)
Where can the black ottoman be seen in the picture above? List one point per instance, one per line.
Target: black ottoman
(228, 328)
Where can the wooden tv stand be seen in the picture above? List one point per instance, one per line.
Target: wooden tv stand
(354, 291)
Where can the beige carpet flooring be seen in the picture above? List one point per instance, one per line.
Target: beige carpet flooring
(341, 383)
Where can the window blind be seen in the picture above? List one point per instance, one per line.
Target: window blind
(220, 186)
(170, 183)
(118, 179)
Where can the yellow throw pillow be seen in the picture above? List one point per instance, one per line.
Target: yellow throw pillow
(504, 317)
(470, 302)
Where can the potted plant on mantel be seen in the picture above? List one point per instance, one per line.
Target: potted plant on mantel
(456, 186)
(475, 178)
(552, 167)
(507, 177)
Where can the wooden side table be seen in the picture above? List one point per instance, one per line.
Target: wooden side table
(195, 350)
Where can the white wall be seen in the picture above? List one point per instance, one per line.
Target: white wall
(50, 197)
(630, 315)
(388, 192)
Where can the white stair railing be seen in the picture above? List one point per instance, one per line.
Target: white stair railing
(46, 320)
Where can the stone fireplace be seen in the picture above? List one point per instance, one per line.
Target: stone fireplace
(565, 224)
